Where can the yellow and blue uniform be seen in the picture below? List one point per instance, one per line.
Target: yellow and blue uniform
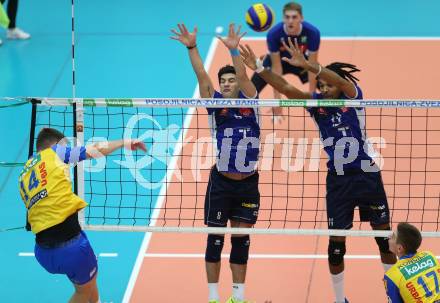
(45, 187)
(414, 279)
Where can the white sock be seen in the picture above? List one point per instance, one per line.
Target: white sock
(338, 287)
(386, 267)
(238, 291)
(213, 291)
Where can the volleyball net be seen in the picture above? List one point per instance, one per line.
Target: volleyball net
(164, 189)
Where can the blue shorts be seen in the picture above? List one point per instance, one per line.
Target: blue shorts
(362, 189)
(74, 258)
(228, 199)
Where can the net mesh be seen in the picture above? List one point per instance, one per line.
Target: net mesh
(167, 185)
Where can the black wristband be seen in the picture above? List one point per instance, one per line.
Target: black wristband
(191, 47)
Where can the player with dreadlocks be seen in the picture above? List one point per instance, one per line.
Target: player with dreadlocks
(353, 178)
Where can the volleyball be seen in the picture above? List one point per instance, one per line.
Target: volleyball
(259, 17)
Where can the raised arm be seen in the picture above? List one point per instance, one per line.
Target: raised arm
(102, 149)
(276, 81)
(331, 77)
(277, 69)
(231, 42)
(189, 40)
(313, 58)
(72, 155)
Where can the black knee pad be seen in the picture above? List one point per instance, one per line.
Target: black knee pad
(240, 250)
(214, 248)
(382, 242)
(336, 252)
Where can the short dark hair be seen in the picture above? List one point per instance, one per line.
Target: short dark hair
(409, 237)
(47, 137)
(293, 6)
(227, 69)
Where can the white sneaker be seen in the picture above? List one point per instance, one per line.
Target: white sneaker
(1, 42)
(17, 33)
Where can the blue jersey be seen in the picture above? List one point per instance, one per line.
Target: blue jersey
(343, 134)
(308, 40)
(237, 132)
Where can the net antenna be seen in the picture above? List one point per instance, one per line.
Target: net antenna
(73, 51)
(78, 125)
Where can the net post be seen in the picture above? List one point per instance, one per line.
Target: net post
(78, 133)
(34, 103)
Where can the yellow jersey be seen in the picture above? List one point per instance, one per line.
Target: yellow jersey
(414, 279)
(46, 188)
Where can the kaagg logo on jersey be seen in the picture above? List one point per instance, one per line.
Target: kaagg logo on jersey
(411, 270)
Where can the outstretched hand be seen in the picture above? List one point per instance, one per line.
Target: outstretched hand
(184, 36)
(233, 38)
(135, 145)
(248, 56)
(297, 57)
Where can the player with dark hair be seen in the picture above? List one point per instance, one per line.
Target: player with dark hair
(61, 246)
(353, 178)
(232, 193)
(415, 276)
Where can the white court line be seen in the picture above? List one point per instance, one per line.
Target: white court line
(164, 188)
(26, 254)
(102, 255)
(361, 38)
(264, 256)
(108, 255)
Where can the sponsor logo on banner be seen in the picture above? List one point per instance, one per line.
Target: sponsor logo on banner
(336, 103)
(292, 103)
(403, 103)
(204, 102)
(119, 102)
(89, 102)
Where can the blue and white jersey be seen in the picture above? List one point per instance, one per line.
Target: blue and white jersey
(237, 132)
(343, 134)
(308, 40)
